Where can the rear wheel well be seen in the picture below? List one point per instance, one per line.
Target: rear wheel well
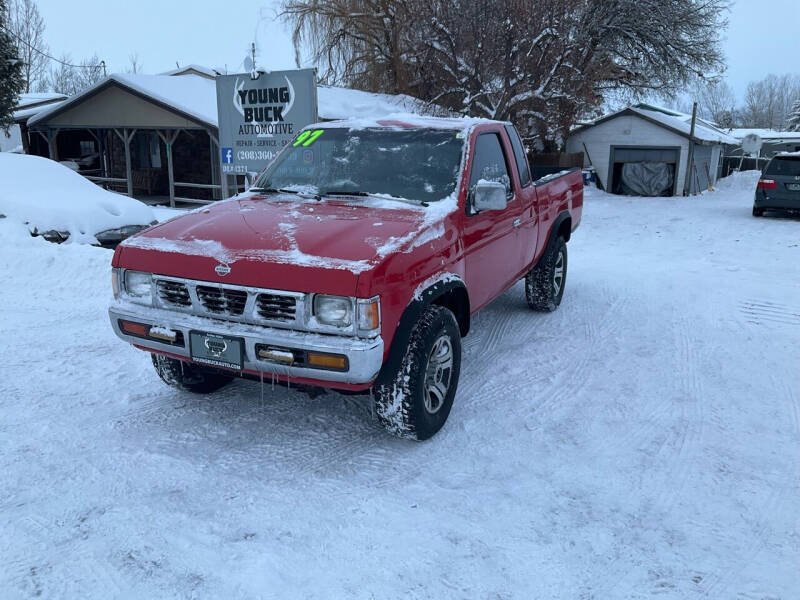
(565, 228)
(456, 301)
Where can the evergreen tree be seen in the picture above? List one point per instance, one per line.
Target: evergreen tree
(11, 78)
(793, 121)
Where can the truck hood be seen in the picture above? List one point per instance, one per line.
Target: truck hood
(277, 241)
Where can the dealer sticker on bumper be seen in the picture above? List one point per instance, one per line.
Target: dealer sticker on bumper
(216, 350)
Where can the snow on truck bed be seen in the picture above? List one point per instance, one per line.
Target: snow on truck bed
(49, 196)
(642, 440)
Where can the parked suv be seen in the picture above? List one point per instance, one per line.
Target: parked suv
(779, 186)
(355, 263)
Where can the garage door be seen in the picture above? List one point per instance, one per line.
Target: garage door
(649, 171)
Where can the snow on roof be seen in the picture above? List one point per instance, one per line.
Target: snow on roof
(196, 96)
(342, 103)
(31, 104)
(678, 122)
(26, 100)
(193, 95)
(683, 123)
(27, 113)
(766, 134)
(193, 67)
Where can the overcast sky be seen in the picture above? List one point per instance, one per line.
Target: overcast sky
(762, 36)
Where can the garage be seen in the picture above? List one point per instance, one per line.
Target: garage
(639, 171)
(647, 150)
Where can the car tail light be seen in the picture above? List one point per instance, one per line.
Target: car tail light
(767, 184)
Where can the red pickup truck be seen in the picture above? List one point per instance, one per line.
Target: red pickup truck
(355, 262)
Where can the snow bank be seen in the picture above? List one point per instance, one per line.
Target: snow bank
(738, 182)
(48, 196)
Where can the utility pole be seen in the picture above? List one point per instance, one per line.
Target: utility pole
(687, 181)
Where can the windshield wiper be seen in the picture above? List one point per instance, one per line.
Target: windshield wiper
(285, 191)
(272, 190)
(367, 194)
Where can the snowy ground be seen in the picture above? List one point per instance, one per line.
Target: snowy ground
(644, 439)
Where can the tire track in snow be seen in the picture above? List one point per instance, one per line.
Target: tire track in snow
(781, 501)
(682, 444)
(761, 312)
(551, 377)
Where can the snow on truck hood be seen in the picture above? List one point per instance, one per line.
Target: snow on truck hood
(350, 235)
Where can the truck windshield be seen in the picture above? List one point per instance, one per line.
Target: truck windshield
(415, 164)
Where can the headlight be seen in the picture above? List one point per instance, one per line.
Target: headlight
(336, 311)
(139, 286)
(110, 236)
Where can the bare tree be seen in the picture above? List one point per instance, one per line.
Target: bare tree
(541, 63)
(716, 102)
(68, 78)
(768, 103)
(27, 27)
(61, 76)
(135, 63)
(88, 73)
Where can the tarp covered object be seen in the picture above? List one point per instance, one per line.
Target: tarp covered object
(648, 178)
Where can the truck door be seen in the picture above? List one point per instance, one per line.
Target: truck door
(528, 225)
(491, 251)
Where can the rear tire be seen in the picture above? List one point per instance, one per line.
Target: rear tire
(188, 377)
(758, 212)
(544, 283)
(414, 402)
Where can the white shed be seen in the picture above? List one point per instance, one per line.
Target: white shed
(643, 150)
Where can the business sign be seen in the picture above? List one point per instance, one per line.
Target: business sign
(258, 117)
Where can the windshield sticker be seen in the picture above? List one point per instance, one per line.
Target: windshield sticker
(307, 138)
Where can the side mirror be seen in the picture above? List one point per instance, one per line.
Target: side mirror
(489, 195)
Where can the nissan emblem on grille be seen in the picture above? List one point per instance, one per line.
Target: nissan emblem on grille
(222, 269)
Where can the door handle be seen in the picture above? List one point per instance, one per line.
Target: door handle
(517, 222)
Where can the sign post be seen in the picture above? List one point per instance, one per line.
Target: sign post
(258, 117)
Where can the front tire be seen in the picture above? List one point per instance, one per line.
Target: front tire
(414, 402)
(188, 377)
(544, 283)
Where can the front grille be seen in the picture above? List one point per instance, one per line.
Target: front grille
(236, 303)
(223, 301)
(275, 307)
(173, 292)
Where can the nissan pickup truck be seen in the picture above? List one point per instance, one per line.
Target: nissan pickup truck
(355, 262)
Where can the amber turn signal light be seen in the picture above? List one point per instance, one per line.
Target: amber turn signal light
(327, 361)
(139, 329)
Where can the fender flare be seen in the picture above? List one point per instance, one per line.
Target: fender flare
(563, 216)
(419, 302)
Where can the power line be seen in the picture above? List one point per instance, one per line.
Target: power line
(53, 58)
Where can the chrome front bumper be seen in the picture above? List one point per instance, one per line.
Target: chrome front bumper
(365, 356)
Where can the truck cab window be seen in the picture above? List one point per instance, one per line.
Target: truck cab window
(489, 162)
(519, 155)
